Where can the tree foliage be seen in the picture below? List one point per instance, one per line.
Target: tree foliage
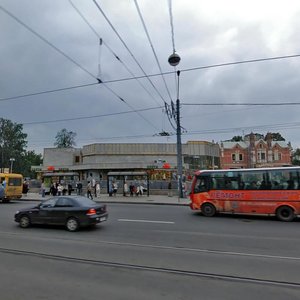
(276, 136)
(65, 139)
(12, 144)
(237, 138)
(30, 159)
(296, 157)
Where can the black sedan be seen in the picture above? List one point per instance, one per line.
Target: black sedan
(71, 211)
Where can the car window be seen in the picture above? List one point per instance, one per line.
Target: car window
(64, 202)
(48, 203)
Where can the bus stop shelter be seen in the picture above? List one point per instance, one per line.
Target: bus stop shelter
(127, 176)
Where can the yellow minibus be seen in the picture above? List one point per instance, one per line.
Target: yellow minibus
(13, 186)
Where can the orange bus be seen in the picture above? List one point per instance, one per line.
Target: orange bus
(265, 191)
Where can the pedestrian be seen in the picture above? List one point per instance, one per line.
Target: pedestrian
(125, 192)
(89, 190)
(59, 189)
(115, 188)
(131, 189)
(43, 189)
(98, 189)
(69, 189)
(25, 188)
(2, 192)
(79, 188)
(170, 194)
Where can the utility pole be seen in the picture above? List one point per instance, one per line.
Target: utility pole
(174, 60)
(179, 145)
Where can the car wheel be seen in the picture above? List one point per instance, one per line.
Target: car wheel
(24, 221)
(72, 224)
(208, 210)
(285, 213)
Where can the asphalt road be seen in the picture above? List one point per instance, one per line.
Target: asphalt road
(151, 252)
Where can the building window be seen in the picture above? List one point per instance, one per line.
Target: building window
(261, 156)
(241, 156)
(277, 156)
(77, 159)
(233, 157)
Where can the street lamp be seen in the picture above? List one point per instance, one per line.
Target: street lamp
(11, 164)
(174, 60)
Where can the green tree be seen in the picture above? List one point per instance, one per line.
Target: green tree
(12, 144)
(276, 136)
(296, 157)
(30, 159)
(237, 138)
(65, 139)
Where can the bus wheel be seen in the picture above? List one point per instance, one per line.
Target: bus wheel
(285, 213)
(208, 210)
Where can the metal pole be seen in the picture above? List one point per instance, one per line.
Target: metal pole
(179, 146)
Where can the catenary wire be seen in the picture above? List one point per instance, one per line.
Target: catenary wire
(156, 74)
(73, 61)
(130, 52)
(152, 47)
(241, 104)
(117, 57)
(151, 75)
(58, 50)
(90, 117)
(294, 125)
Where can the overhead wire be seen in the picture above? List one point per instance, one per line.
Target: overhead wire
(130, 52)
(154, 75)
(89, 117)
(152, 47)
(73, 61)
(58, 50)
(110, 49)
(242, 104)
(200, 132)
(102, 42)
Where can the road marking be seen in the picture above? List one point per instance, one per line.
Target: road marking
(145, 221)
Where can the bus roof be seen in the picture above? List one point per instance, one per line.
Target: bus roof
(11, 175)
(246, 170)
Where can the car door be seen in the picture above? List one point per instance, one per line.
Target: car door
(60, 211)
(43, 213)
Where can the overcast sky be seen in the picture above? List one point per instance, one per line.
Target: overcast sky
(54, 44)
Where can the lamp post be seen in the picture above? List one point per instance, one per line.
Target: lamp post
(11, 164)
(174, 60)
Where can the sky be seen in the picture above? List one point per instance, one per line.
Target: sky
(51, 57)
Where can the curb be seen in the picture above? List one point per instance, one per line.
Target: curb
(147, 202)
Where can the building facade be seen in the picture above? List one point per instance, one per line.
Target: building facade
(255, 152)
(159, 160)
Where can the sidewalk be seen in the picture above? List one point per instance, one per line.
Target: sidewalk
(152, 199)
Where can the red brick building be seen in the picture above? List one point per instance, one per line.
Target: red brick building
(255, 152)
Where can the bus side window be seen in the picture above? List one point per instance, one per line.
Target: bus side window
(201, 185)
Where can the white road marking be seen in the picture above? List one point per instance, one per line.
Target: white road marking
(145, 221)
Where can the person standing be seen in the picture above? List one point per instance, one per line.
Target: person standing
(170, 189)
(43, 189)
(89, 190)
(98, 189)
(115, 188)
(79, 188)
(131, 189)
(125, 189)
